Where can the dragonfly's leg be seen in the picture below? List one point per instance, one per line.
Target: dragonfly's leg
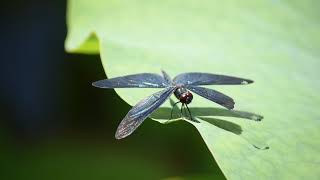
(181, 113)
(173, 109)
(189, 112)
(185, 111)
(171, 112)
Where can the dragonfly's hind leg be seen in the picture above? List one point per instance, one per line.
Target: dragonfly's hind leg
(173, 109)
(190, 115)
(184, 109)
(181, 110)
(189, 112)
(168, 121)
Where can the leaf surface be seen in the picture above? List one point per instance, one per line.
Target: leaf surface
(274, 43)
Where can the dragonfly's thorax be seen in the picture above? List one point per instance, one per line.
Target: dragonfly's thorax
(183, 95)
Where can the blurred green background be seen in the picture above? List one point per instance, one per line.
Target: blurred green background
(55, 125)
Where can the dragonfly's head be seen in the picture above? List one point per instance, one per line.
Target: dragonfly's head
(186, 97)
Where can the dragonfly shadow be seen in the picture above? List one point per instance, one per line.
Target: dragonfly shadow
(207, 113)
(223, 124)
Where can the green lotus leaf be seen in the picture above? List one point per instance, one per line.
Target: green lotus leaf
(274, 43)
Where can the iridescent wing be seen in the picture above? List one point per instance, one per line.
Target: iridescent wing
(196, 78)
(166, 77)
(141, 111)
(213, 95)
(143, 80)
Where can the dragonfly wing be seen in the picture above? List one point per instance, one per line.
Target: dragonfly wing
(196, 78)
(166, 77)
(141, 111)
(143, 80)
(213, 95)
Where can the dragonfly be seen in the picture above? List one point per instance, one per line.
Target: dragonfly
(181, 86)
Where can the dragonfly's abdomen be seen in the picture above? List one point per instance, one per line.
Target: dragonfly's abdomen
(183, 95)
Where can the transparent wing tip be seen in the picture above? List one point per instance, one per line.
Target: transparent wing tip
(229, 105)
(123, 131)
(99, 84)
(247, 81)
(117, 136)
(256, 117)
(120, 135)
(95, 84)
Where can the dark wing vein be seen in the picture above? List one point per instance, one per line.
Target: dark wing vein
(143, 80)
(141, 111)
(214, 96)
(196, 78)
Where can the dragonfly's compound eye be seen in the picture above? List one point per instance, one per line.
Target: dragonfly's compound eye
(189, 97)
(186, 98)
